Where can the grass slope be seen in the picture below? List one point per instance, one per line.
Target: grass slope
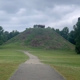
(42, 38)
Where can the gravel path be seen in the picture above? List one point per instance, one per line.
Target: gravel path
(33, 69)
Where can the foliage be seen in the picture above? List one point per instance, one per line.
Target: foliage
(1, 35)
(58, 31)
(71, 37)
(64, 32)
(77, 36)
(13, 33)
(5, 35)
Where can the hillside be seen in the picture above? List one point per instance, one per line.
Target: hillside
(42, 38)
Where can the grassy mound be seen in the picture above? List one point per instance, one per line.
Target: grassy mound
(42, 38)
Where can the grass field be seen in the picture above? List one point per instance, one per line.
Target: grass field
(66, 62)
(9, 62)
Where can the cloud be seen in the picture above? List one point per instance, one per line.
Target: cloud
(20, 14)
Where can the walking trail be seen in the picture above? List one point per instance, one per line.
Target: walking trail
(33, 69)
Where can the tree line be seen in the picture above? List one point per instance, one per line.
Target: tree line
(72, 36)
(5, 35)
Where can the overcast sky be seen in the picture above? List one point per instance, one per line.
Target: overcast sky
(22, 14)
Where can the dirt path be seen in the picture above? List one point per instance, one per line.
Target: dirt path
(32, 59)
(33, 69)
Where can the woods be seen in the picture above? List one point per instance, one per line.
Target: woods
(5, 35)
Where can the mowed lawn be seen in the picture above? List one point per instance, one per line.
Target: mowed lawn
(9, 62)
(66, 62)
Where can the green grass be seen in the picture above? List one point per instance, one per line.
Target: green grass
(65, 62)
(10, 59)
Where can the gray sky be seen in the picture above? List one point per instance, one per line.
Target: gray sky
(22, 14)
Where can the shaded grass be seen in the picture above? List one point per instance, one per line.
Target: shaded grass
(9, 62)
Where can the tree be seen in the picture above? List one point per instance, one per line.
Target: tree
(6, 36)
(53, 29)
(71, 37)
(1, 35)
(64, 32)
(13, 33)
(58, 31)
(77, 36)
(1, 30)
